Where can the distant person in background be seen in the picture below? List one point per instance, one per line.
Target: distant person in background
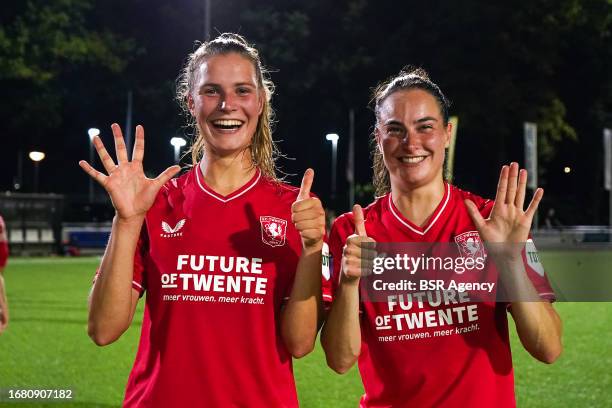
(229, 256)
(551, 221)
(4, 311)
(434, 348)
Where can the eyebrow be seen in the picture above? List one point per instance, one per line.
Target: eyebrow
(238, 84)
(394, 122)
(426, 119)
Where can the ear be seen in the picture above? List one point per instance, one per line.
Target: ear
(191, 104)
(449, 134)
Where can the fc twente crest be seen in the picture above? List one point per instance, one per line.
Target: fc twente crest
(273, 230)
(470, 245)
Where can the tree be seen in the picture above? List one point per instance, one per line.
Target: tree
(43, 46)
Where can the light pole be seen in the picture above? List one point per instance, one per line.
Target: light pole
(36, 157)
(333, 137)
(206, 20)
(177, 142)
(92, 132)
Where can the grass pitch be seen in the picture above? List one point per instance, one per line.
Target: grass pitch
(46, 346)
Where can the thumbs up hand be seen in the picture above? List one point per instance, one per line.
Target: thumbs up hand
(308, 215)
(357, 258)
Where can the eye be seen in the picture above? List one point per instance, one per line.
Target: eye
(243, 90)
(395, 130)
(210, 91)
(426, 127)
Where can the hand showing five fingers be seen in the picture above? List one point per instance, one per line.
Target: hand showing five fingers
(508, 222)
(131, 192)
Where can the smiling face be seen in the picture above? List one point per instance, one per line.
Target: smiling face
(226, 102)
(412, 136)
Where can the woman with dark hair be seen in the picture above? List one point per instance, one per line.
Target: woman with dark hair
(229, 256)
(434, 347)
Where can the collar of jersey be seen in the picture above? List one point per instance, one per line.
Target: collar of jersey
(432, 220)
(233, 195)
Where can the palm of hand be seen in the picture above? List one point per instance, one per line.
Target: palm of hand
(508, 226)
(506, 223)
(131, 192)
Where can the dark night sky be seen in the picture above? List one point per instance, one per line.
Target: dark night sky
(318, 75)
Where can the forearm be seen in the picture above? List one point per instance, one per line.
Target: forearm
(112, 301)
(3, 259)
(538, 325)
(341, 334)
(539, 328)
(302, 314)
(3, 298)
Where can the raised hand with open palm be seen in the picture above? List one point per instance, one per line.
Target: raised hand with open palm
(131, 192)
(507, 228)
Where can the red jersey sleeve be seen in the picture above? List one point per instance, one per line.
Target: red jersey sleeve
(4, 250)
(4, 253)
(139, 272)
(535, 271)
(142, 247)
(337, 239)
(326, 274)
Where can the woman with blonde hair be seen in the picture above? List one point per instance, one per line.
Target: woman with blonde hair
(228, 255)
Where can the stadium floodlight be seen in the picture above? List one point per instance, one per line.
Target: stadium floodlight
(36, 157)
(333, 137)
(177, 142)
(92, 132)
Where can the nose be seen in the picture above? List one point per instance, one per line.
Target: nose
(227, 103)
(407, 139)
(411, 140)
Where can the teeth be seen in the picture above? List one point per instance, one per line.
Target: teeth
(227, 122)
(413, 159)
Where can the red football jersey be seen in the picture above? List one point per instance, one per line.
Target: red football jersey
(4, 249)
(452, 353)
(216, 271)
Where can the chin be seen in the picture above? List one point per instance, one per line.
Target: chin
(225, 150)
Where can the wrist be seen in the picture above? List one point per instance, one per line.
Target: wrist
(350, 282)
(508, 261)
(129, 222)
(312, 248)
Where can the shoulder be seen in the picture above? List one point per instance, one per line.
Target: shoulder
(345, 223)
(281, 190)
(484, 205)
(172, 193)
(179, 182)
(280, 187)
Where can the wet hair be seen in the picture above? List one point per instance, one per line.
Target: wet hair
(263, 148)
(408, 78)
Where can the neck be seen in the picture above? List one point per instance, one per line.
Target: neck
(225, 175)
(418, 204)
